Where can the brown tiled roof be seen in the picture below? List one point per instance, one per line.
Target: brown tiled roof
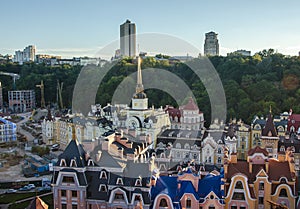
(257, 149)
(243, 168)
(279, 169)
(269, 129)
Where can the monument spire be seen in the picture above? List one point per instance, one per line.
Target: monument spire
(139, 85)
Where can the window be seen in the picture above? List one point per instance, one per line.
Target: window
(219, 150)
(260, 200)
(102, 188)
(138, 182)
(233, 207)
(188, 203)
(68, 179)
(63, 163)
(219, 160)
(261, 186)
(283, 193)
(74, 206)
(103, 175)
(238, 196)
(211, 207)
(74, 193)
(242, 207)
(63, 193)
(63, 206)
(239, 185)
(73, 163)
(243, 146)
(163, 203)
(119, 196)
(120, 181)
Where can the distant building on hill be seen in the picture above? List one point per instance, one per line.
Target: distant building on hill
(211, 44)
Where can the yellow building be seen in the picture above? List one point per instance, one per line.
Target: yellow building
(260, 179)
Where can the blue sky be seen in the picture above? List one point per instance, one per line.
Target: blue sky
(78, 28)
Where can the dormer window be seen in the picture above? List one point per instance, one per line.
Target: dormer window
(68, 179)
(91, 162)
(103, 175)
(138, 182)
(120, 181)
(63, 163)
(102, 188)
(282, 149)
(73, 163)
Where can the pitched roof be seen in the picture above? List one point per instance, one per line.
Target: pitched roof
(257, 149)
(74, 151)
(269, 129)
(191, 105)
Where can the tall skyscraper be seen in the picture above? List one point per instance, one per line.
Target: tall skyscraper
(128, 39)
(211, 45)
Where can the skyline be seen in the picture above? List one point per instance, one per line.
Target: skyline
(75, 29)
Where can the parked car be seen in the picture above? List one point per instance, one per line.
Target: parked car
(42, 189)
(25, 188)
(31, 186)
(9, 191)
(55, 147)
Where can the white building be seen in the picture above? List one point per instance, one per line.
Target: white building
(187, 117)
(8, 131)
(27, 55)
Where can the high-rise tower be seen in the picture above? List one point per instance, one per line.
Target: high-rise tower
(211, 45)
(128, 39)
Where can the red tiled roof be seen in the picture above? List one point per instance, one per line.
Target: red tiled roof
(257, 149)
(295, 117)
(191, 105)
(173, 112)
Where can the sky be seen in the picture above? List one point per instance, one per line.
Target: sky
(82, 28)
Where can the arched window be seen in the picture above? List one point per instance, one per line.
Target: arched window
(282, 149)
(178, 145)
(239, 185)
(219, 160)
(103, 175)
(186, 146)
(283, 193)
(219, 150)
(163, 203)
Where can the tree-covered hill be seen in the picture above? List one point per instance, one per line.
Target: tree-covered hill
(252, 84)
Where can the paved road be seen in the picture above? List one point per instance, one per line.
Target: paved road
(25, 116)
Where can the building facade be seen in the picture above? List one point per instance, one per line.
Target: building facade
(21, 100)
(27, 55)
(128, 39)
(211, 44)
(186, 117)
(260, 180)
(8, 131)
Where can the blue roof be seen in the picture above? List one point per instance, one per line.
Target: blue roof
(169, 185)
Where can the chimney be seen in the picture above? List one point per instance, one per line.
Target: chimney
(250, 166)
(233, 157)
(267, 166)
(98, 155)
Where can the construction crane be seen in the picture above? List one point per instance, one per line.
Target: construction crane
(59, 96)
(13, 75)
(41, 86)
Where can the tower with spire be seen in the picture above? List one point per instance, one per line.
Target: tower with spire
(269, 136)
(139, 99)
